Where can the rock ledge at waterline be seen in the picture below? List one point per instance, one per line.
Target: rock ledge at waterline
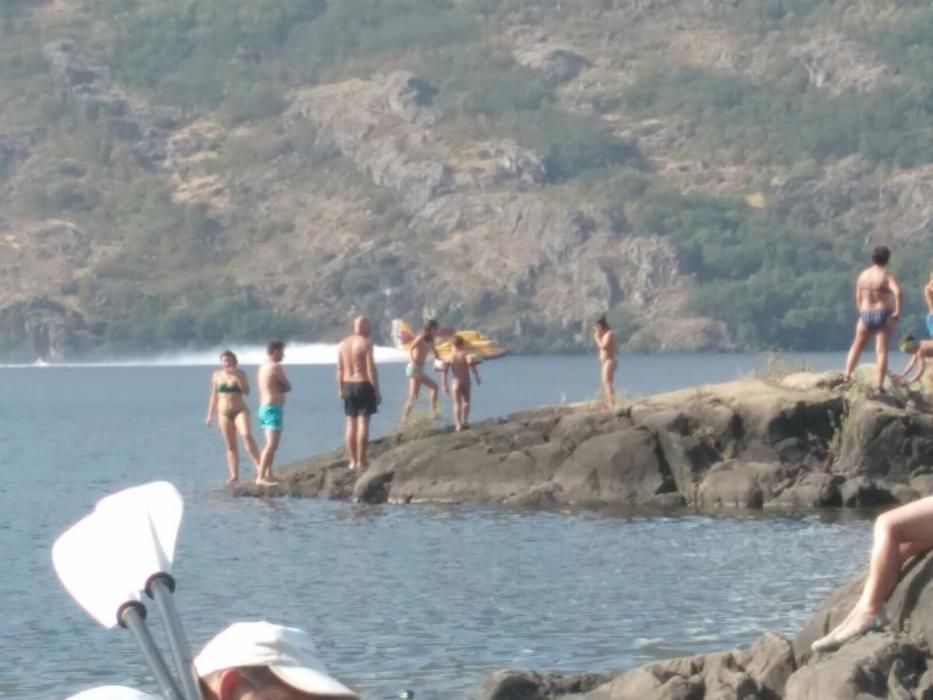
(892, 665)
(801, 441)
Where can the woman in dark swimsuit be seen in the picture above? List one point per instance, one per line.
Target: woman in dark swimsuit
(228, 387)
(878, 299)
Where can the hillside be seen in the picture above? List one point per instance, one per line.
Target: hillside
(711, 172)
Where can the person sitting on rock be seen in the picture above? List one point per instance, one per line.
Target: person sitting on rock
(878, 299)
(919, 351)
(898, 535)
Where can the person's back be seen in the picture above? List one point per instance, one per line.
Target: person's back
(354, 356)
(460, 366)
(874, 289)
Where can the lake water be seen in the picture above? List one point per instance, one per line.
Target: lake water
(427, 598)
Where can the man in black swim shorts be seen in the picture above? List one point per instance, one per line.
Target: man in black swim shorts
(358, 386)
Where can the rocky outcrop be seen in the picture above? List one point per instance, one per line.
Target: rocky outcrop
(144, 126)
(42, 329)
(799, 442)
(894, 664)
(482, 202)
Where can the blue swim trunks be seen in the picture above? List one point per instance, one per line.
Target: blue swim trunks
(270, 417)
(930, 325)
(875, 319)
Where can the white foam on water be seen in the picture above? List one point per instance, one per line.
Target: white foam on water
(295, 354)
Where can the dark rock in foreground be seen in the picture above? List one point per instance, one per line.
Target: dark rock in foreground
(895, 664)
(803, 441)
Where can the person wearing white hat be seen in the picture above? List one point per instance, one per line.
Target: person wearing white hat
(112, 692)
(263, 661)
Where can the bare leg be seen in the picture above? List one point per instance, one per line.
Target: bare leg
(609, 373)
(858, 344)
(456, 397)
(898, 535)
(242, 424)
(413, 387)
(881, 350)
(228, 431)
(350, 442)
(362, 440)
(267, 457)
(432, 387)
(465, 393)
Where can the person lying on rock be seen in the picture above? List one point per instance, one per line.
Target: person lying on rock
(919, 352)
(898, 535)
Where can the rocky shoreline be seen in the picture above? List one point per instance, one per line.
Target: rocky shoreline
(802, 441)
(895, 664)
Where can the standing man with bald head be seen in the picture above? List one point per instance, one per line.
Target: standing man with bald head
(358, 387)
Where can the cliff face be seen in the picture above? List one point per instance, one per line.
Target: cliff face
(513, 167)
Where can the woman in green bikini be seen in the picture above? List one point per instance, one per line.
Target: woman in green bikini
(228, 387)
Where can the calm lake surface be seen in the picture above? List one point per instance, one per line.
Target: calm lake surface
(427, 598)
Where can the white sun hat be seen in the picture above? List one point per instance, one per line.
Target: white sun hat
(112, 692)
(287, 651)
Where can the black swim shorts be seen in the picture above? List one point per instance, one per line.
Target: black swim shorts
(359, 399)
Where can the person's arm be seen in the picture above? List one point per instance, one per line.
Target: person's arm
(898, 296)
(340, 371)
(475, 367)
(373, 372)
(858, 295)
(244, 382)
(283, 380)
(211, 404)
(906, 371)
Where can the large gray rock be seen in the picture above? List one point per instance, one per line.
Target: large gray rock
(747, 444)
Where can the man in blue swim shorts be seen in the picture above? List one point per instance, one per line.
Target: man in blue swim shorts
(273, 385)
(878, 298)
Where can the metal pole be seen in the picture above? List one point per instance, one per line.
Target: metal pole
(132, 615)
(160, 587)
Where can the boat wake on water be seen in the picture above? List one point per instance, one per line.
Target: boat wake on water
(297, 354)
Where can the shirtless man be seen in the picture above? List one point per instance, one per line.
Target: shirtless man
(606, 343)
(273, 385)
(878, 299)
(358, 387)
(417, 355)
(460, 365)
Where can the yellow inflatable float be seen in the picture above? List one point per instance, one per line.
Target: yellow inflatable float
(476, 343)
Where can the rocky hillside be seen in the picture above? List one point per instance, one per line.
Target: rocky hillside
(710, 172)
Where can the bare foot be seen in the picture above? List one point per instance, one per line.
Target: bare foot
(231, 480)
(267, 482)
(855, 625)
(352, 466)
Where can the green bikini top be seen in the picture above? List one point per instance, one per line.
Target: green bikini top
(232, 388)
